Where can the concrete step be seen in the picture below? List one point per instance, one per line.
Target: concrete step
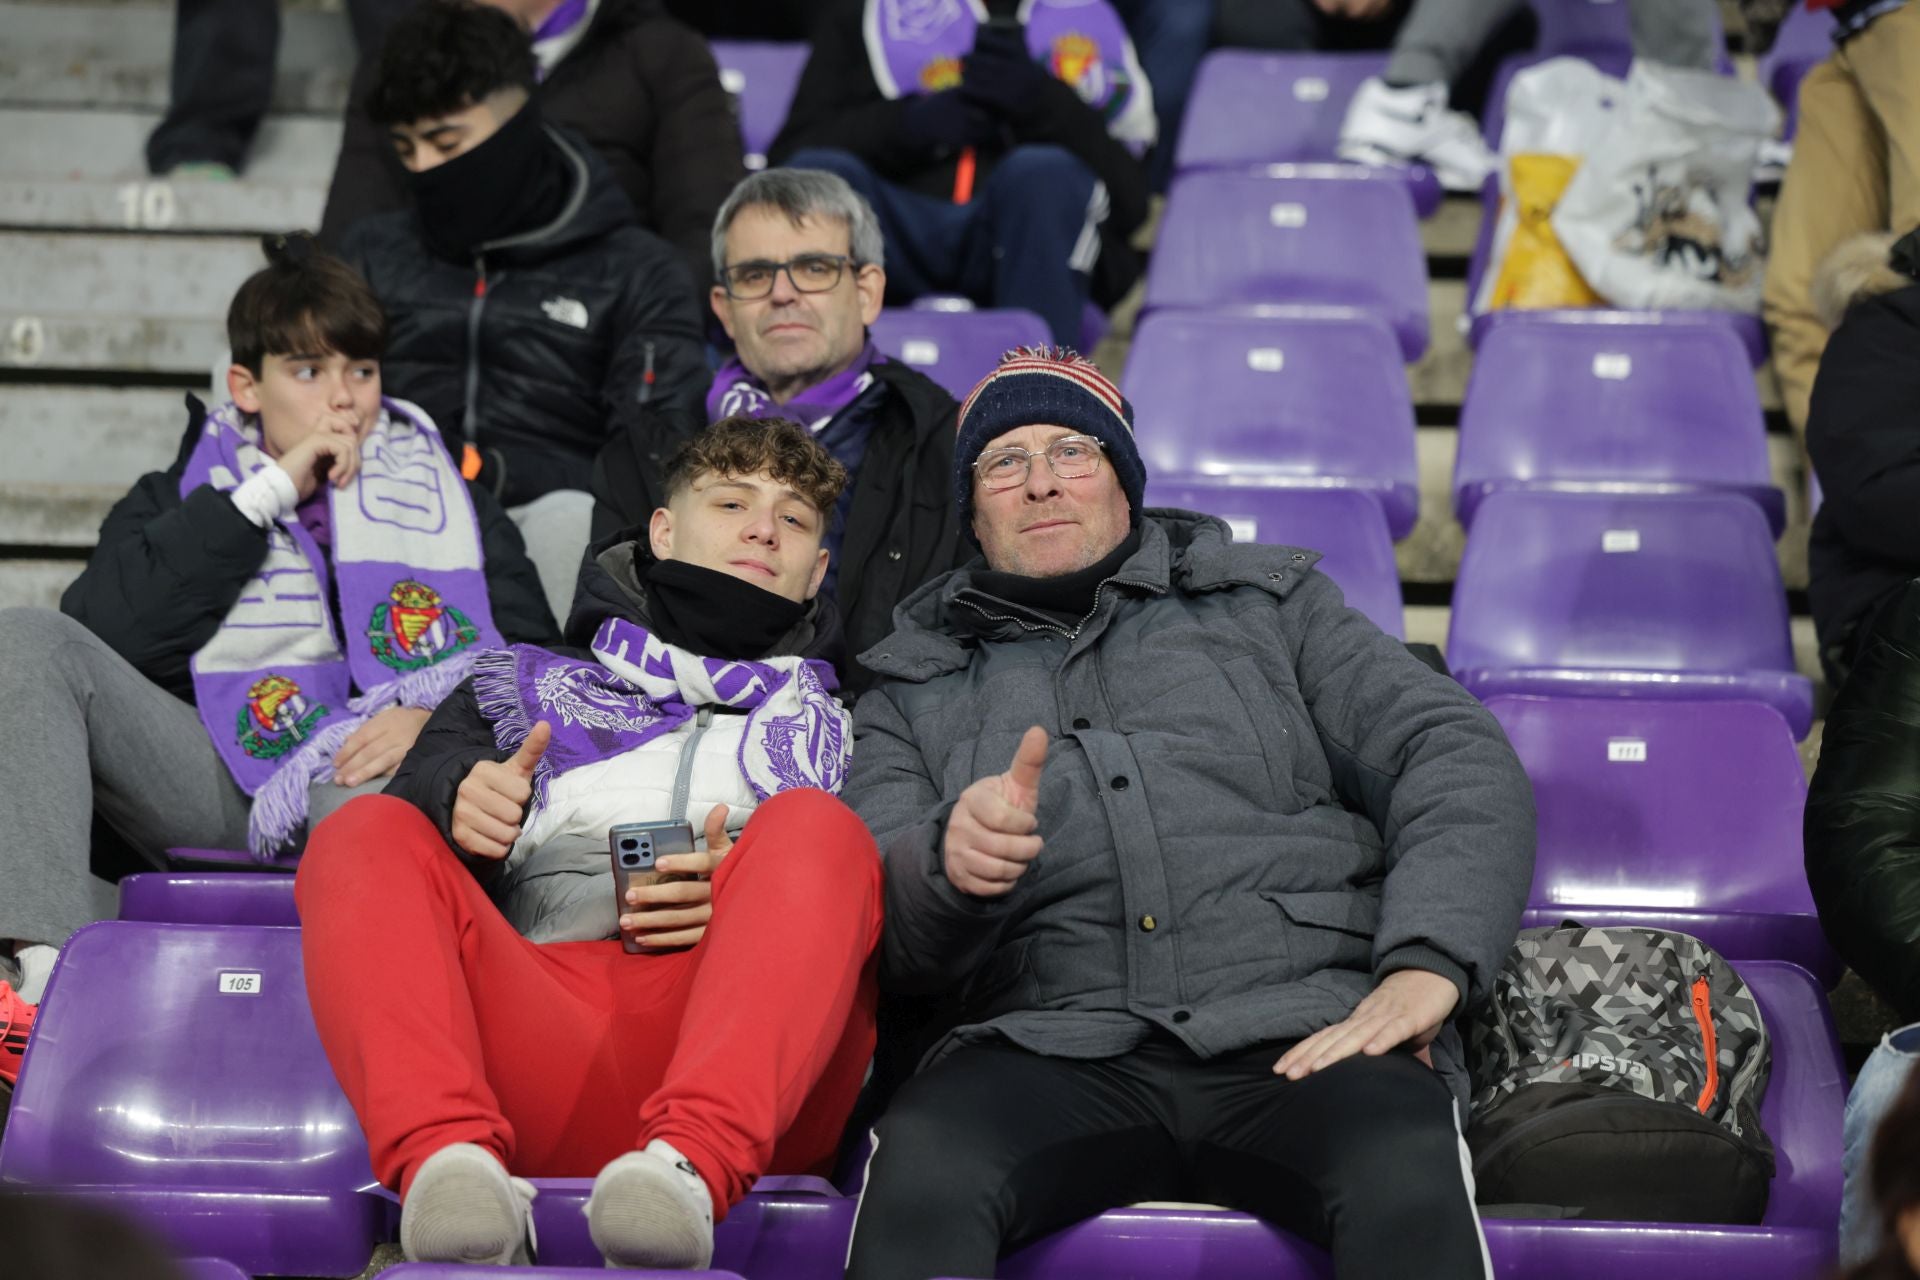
(35, 583)
(71, 168)
(117, 55)
(72, 452)
(130, 303)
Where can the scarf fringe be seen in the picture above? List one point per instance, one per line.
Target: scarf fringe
(280, 806)
(496, 689)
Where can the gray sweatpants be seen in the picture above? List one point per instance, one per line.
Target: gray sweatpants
(1440, 37)
(81, 730)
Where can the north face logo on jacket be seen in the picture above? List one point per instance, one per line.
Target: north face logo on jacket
(567, 311)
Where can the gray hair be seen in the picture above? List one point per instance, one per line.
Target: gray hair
(803, 193)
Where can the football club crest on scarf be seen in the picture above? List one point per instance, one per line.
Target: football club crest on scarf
(921, 46)
(276, 719)
(412, 628)
(282, 684)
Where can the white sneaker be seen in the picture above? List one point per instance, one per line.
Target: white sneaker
(652, 1209)
(463, 1207)
(1393, 127)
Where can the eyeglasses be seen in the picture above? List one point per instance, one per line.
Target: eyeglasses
(1071, 457)
(810, 273)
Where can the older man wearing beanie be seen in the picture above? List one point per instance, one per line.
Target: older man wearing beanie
(1204, 861)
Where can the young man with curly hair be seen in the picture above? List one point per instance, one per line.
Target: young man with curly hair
(460, 931)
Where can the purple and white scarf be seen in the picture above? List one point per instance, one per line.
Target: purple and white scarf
(797, 733)
(275, 691)
(920, 46)
(737, 393)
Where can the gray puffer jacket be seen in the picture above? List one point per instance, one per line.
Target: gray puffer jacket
(1255, 806)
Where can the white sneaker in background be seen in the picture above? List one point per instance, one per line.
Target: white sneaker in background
(1388, 126)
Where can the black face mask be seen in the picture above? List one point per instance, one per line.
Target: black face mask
(715, 614)
(514, 182)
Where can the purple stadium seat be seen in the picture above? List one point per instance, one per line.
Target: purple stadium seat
(955, 348)
(175, 1073)
(1620, 408)
(232, 858)
(1677, 815)
(1276, 399)
(1805, 39)
(209, 1269)
(209, 897)
(1297, 245)
(1345, 526)
(1595, 595)
(1301, 99)
(1581, 27)
(761, 77)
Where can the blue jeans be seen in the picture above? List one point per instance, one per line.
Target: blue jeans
(1874, 1092)
(1171, 37)
(1028, 239)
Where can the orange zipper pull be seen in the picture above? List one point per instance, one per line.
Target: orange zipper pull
(1703, 1015)
(469, 462)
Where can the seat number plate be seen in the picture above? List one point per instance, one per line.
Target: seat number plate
(1626, 750)
(239, 984)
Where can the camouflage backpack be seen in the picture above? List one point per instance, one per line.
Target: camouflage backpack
(1617, 1073)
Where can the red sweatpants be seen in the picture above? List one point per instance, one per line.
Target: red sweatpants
(444, 1025)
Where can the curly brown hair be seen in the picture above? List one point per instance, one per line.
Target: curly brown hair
(779, 447)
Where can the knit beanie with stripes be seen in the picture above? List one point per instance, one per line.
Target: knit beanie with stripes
(1055, 386)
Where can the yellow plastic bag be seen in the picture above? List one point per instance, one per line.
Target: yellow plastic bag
(1536, 271)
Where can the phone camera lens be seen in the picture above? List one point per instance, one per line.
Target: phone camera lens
(629, 844)
(629, 859)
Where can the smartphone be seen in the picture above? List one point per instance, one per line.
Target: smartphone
(635, 847)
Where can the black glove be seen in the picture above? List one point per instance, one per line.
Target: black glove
(946, 120)
(1001, 76)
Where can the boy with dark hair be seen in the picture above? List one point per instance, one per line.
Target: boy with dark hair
(527, 305)
(263, 627)
(642, 88)
(736, 1025)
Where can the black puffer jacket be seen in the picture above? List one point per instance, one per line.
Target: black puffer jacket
(529, 349)
(839, 104)
(1863, 433)
(1863, 810)
(168, 570)
(901, 529)
(643, 89)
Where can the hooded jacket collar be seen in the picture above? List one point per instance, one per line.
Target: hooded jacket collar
(613, 585)
(595, 205)
(1179, 550)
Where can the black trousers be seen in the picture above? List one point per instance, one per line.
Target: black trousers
(994, 1146)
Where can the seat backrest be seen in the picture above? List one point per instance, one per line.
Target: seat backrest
(1595, 404)
(761, 76)
(1249, 108)
(1317, 243)
(1686, 806)
(1671, 583)
(170, 1055)
(956, 348)
(1278, 399)
(1345, 526)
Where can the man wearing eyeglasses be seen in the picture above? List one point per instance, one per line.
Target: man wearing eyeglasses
(800, 268)
(1204, 862)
